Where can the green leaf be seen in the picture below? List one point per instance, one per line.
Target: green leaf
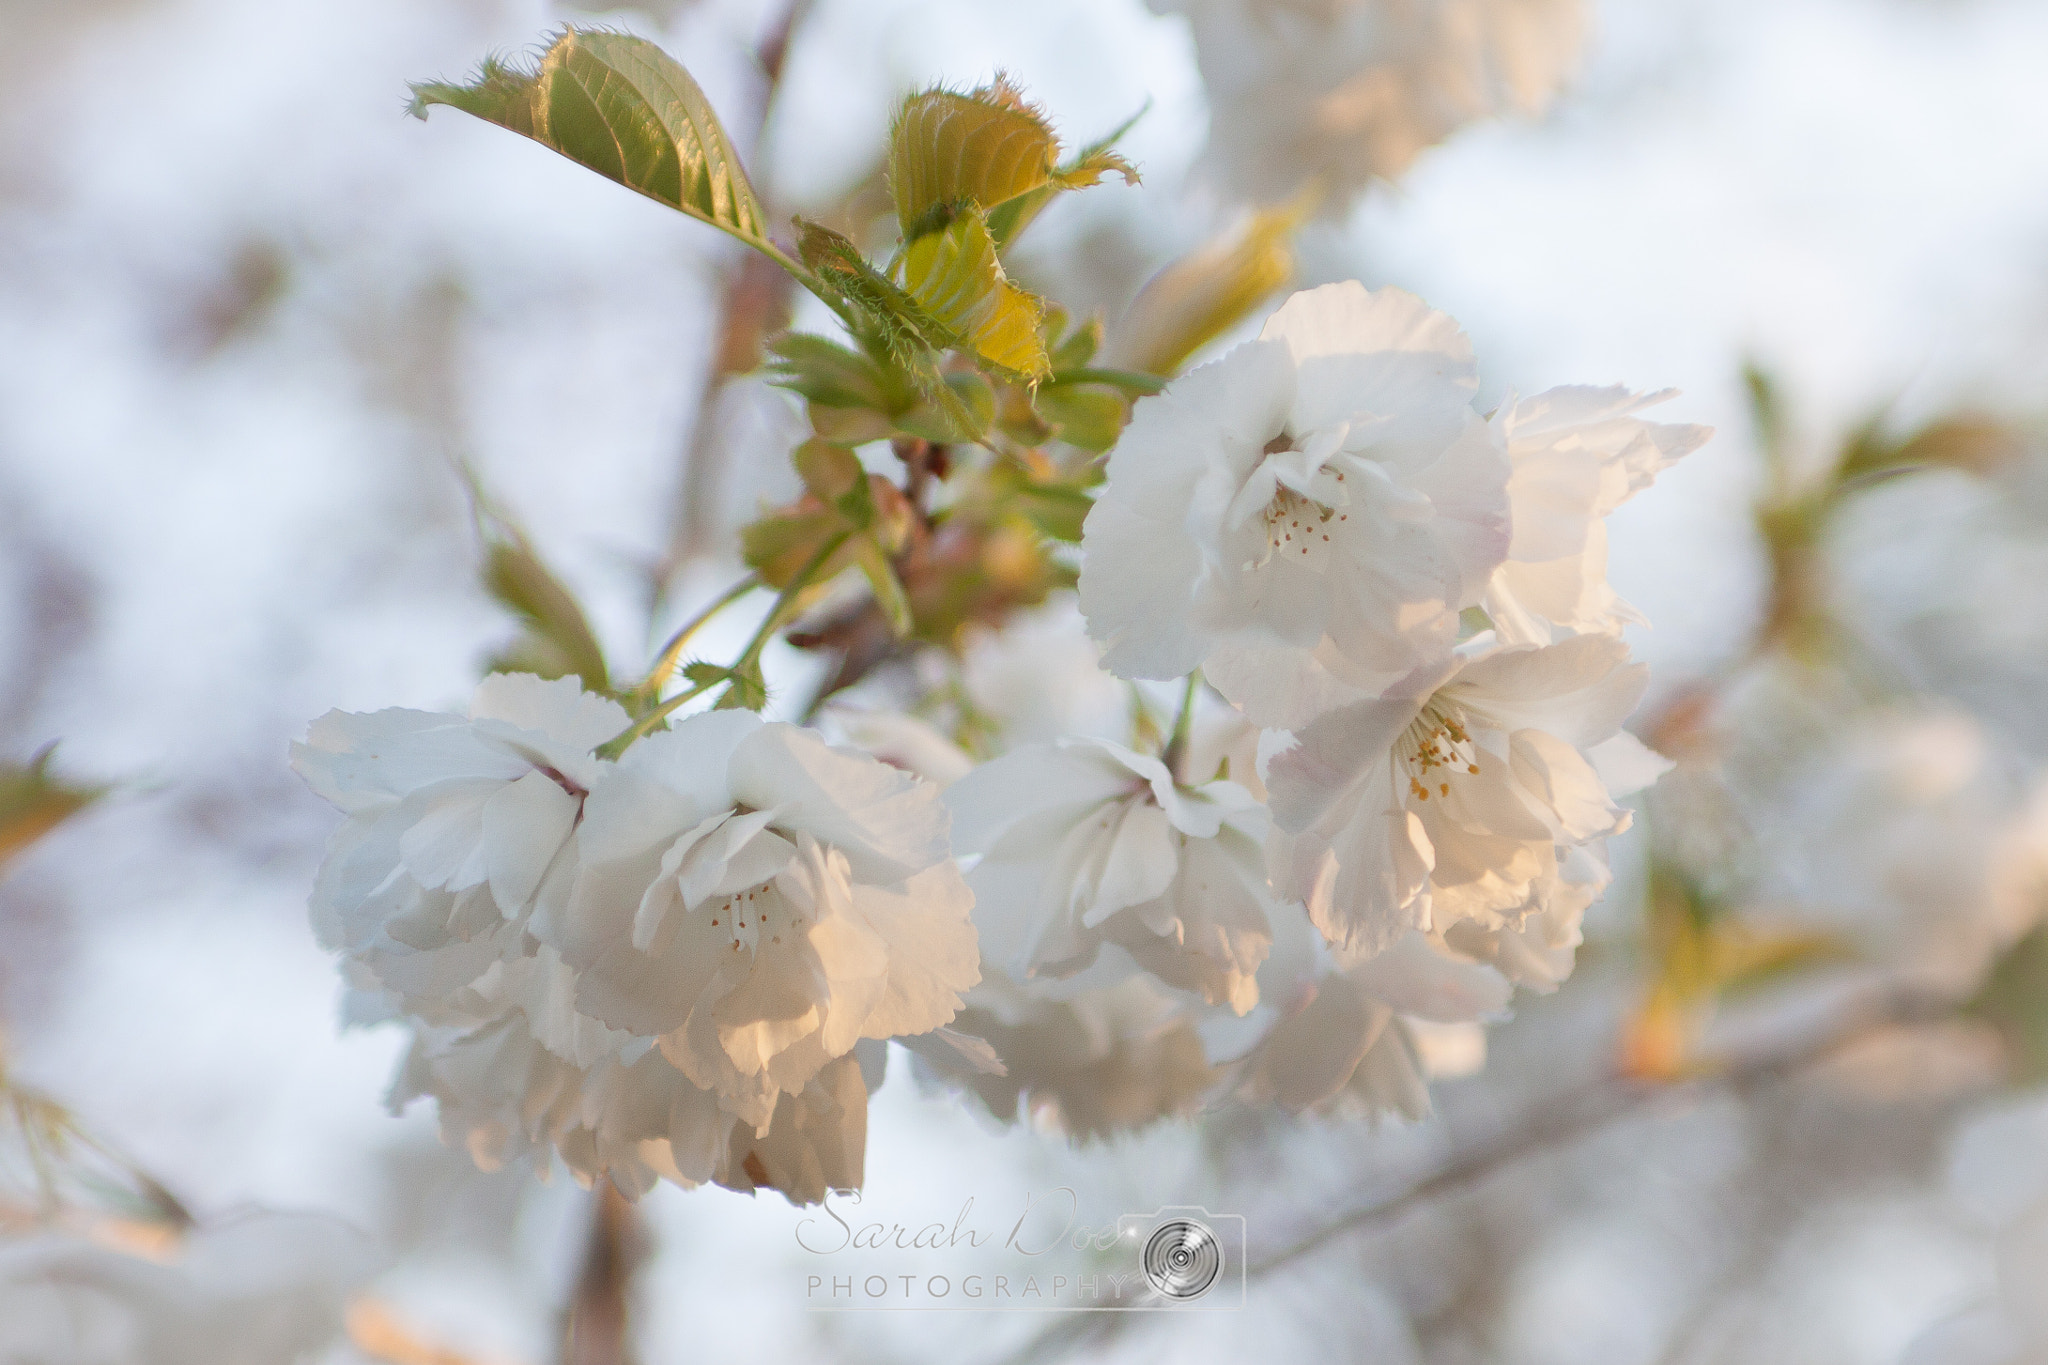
(779, 545)
(894, 325)
(1077, 347)
(941, 423)
(887, 587)
(823, 371)
(834, 475)
(954, 275)
(558, 639)
(627, 110)
(32, 803)
(1057, 510)
(901, 328)
(746, 690)
(1085, 415)
(981, 148)
(1206, 292)
(703, 674)
(1132, 382)
(1094, 161)
(986, 148)
(2014, 1000)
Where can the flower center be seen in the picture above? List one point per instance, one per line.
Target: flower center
(747, 915)
(1305, 501)
(1436, 745)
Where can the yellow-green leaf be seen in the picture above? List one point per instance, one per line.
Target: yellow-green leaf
(985, 148)
(627, 110)
(1011, 217)
(980, 148)
(1206, 292)
(32, 803)
(897, 330)
(954, 275)
(558, 640)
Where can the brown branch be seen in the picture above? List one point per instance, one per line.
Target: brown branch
(595, 1332)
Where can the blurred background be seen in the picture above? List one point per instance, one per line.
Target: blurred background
(249, 313)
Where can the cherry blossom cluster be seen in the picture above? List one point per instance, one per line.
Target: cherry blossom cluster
(676, 965)
(1391, 612)
(1409, 599)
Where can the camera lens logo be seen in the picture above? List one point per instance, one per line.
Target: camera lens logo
(1183, 1259)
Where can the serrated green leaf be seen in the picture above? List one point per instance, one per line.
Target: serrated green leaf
(990, 149)
(1197, 298)
(32, 803)
(954, 275)
(981, 148)
(703, 674)
(894, 326)
(942, 423)
(901, 327)
(627, 110)
(886, 586)
(746, 689)
(558, 639)
(1008, 219)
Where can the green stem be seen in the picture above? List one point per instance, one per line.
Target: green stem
(650, 687)
(1176, 747)
(619, 743)
(787, 599)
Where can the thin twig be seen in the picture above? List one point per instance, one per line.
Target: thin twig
(672, 652)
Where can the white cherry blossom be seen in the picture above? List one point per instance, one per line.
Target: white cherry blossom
(1458, 798)
(1304, 518)
(1365, 1040)
(1903, 835)
(1084, 844)
(458, 827)
(631, 1117)
(257, 1288)
(758, 902)
(1347, 92)
(1577, 454)
(1091, 1063)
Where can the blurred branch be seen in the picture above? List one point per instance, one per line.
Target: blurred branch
(755, 301)
(597, 1328)
(1555, 1123)
(1613, 1099)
